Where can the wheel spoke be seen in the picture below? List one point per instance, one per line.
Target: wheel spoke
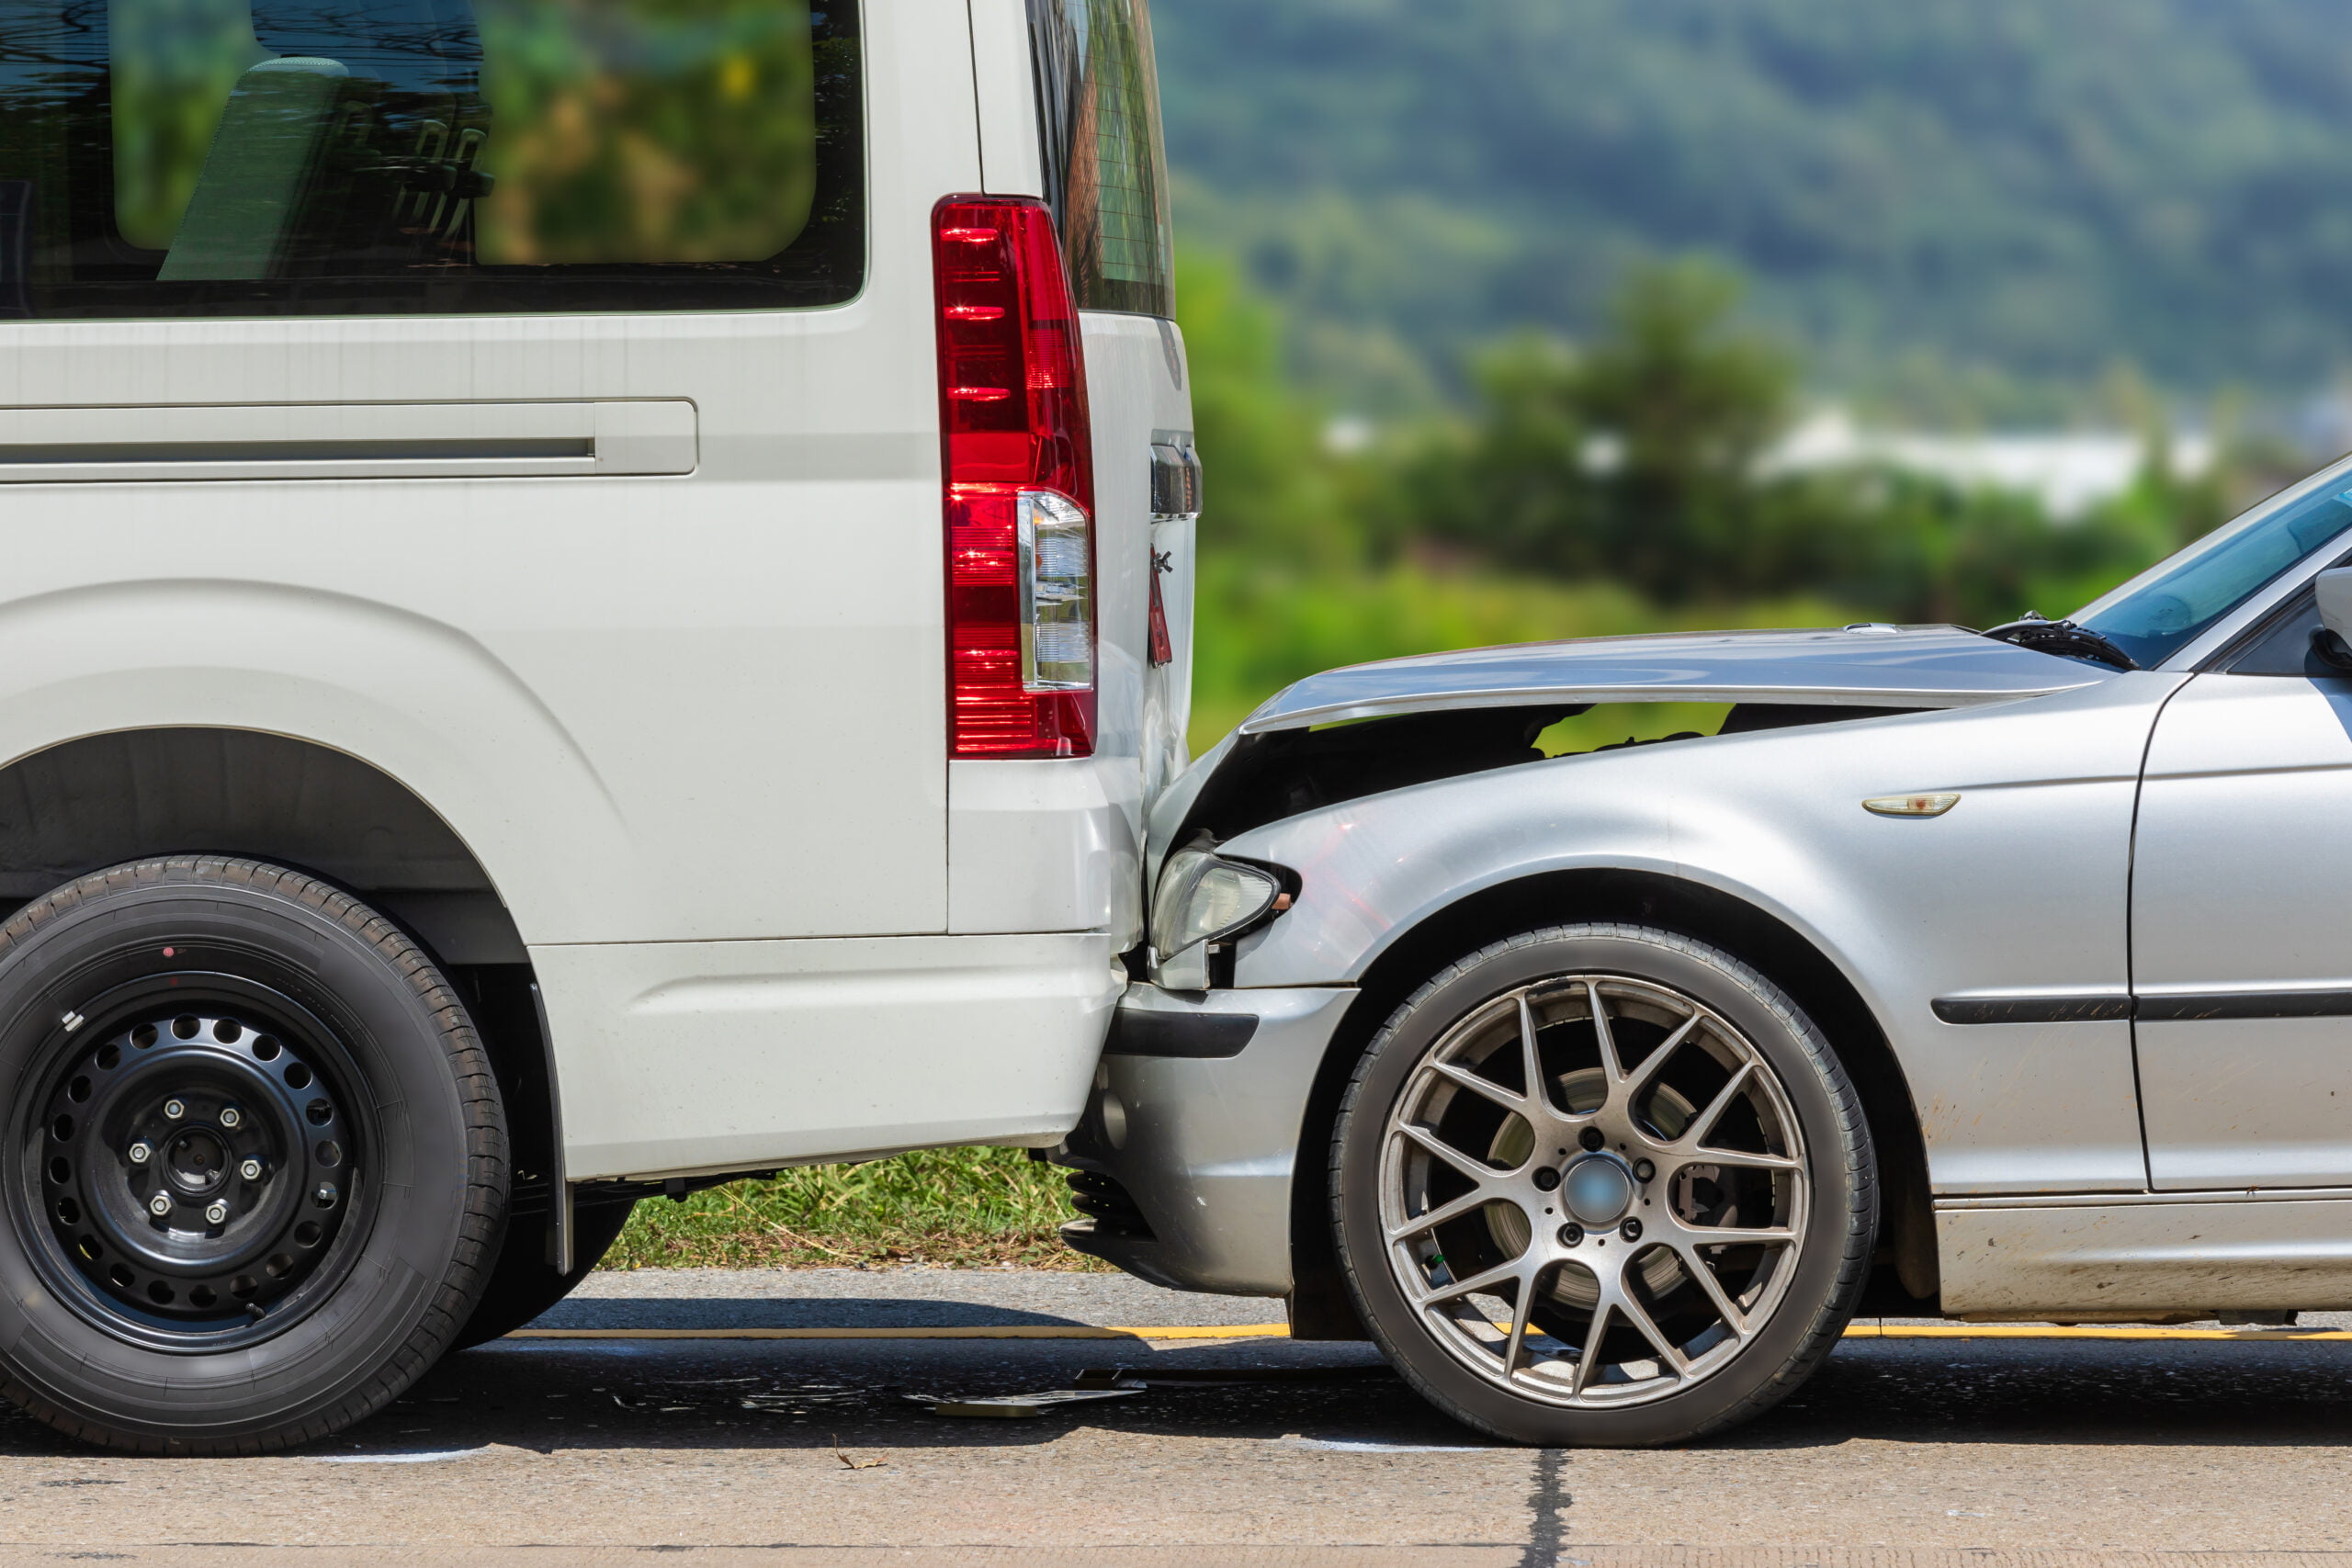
(1735, 1235)
(1455, 1072)
(1638, 1315)
(1601, 1034)
(1588, 1361)
(1469, 1202)
(1638, 1079)
(1531, 1058)
(1696, 1267)
(1741, 1159)
(1518, 1341)
(1475, 1169)
(1704, 1123)
(1475, 1283)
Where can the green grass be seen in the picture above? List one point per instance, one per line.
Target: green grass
(961, 1208)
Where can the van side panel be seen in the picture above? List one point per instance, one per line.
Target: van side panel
(692, 724)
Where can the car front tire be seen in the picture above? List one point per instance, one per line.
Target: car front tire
(1603, 1185)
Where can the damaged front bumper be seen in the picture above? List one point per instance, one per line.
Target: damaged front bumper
(1185, 1153)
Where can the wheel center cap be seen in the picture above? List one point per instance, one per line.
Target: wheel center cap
(1597, 1190)
(197, 1161)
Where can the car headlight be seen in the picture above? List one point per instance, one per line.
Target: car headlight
(1201, 900)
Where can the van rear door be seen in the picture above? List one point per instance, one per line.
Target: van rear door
(1069, 110)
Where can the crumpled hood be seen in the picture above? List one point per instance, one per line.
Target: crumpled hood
(1865, 666)
(1870, 666)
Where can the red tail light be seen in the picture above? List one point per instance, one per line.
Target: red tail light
(1020, 482)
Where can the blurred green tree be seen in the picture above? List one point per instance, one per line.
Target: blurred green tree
(1644, 459)
(1636, 460)
(1272, 495)
(1682, 403)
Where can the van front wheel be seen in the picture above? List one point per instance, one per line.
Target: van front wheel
(257, 1172)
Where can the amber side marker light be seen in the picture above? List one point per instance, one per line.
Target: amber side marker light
(1910, 805)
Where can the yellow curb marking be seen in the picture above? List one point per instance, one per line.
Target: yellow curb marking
(1282, 1331)
(2078, 1331)
(1238, 1331)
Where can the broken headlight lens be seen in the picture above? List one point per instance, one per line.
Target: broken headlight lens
(1199, 901)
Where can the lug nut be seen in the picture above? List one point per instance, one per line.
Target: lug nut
(1590, 1138)
(1631, 1229)
(138, 1153)
(1546, 1180)
(216, 1213)
(1644, 1171)
(231, 1116)
(325, 1197)
(160, 1205)
(175, 1109)
(1571, 1234)
(250, 1170)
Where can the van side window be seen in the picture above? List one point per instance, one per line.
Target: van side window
(1098, 94)
(346, 157)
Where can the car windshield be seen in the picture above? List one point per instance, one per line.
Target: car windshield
(2158, 612)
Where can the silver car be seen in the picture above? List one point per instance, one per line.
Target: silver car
(1999, 976)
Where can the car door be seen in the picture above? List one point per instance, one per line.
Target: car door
(2241, 921)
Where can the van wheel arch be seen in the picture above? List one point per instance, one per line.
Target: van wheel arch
(125, 795)
(1904, 1278)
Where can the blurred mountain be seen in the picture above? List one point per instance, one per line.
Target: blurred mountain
(1969, 200)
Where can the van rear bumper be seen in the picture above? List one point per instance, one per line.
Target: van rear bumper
(1045, 845)
(1196, 1123)
(679, 1057)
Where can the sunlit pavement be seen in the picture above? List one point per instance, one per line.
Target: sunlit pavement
(1911, 1451)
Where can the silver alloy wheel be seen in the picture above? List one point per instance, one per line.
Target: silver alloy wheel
(1620, 1232)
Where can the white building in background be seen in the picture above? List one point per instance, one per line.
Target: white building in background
(2067, 471)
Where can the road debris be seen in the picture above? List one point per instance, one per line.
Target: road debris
(1226, 1377)
(1017, 1406)
(849, 1463)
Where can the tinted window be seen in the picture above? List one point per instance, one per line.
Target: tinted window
(2285, 646)
(271, 157)
(1099, 98)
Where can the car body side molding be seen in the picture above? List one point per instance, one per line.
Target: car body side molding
(2161, 1009)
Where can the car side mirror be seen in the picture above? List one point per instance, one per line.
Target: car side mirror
(2333, 588)
(2333, 640)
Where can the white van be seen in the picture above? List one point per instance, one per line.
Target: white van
(597, 590)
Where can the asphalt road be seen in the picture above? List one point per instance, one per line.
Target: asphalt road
(2062, 1453)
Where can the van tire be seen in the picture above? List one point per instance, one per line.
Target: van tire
(259, 1004)
(525, 1284)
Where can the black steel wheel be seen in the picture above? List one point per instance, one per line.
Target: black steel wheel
(258, 1168)
(197, 1158)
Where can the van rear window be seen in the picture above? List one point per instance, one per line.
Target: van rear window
(340, 157)
(1105, 167)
